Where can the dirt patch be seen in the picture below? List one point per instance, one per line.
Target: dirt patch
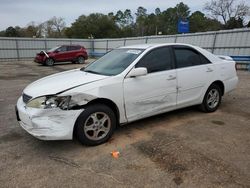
(135, 167)
(18, 76)
(172, 155)
(218, 122)
(178, 180)
(10, 137)
(64, 161)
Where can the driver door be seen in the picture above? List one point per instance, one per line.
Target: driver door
(155, 92)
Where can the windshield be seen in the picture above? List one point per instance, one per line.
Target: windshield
(53, 49)
(114, 62)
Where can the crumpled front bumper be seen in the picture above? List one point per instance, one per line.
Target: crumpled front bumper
(47, 124)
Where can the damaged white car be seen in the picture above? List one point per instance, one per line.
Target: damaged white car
(127, 84)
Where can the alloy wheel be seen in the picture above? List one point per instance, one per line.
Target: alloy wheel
(213, 98)
(97, 126)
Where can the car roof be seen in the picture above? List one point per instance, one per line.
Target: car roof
(151, 45)
(70, 45)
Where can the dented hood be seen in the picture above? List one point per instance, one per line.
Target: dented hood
(59, 82)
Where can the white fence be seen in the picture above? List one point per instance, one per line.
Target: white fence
(226, 42)
(26, 48)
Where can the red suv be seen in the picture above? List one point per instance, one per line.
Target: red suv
(73, 53)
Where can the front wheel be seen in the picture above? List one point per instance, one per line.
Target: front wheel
(49, 62)
(95, 125)
(212, 99)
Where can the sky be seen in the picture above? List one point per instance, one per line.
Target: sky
(22, 12)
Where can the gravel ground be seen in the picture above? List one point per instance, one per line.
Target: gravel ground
(184, 148)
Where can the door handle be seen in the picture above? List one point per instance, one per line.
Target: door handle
(209, 70)
(171, 77)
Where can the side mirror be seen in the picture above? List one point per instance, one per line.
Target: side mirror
(141, 71)
(57, 51)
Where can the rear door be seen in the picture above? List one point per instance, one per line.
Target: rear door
(194, 73)
(72, 52)
(155, 92)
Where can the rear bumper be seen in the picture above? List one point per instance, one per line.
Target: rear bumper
(47, 124)
(231, 84)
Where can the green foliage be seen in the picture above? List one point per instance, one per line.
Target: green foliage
(200, 23)
(12, 32)
(234, 23)
(2, 33)
(96, 25)
(141, 20)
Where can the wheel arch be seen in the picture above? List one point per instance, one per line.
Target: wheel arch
(81, 55)
(53, 58)
(104, 101)
(220, 84)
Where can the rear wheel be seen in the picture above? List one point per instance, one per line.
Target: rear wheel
(49, 62)
(95, 125)
(212, 99)
(80, 60)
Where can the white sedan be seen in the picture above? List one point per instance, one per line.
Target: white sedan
(126, 84)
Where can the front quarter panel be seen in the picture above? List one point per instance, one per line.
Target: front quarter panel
(110, 88)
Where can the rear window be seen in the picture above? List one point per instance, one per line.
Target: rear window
(186, 57)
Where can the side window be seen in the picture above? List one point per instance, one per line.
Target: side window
(62, 49)
(70, 48)
(73, 48)
(77, 47)
(204, 60)
(186, 57)
(157, 60)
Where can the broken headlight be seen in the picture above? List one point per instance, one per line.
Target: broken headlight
(47, 102)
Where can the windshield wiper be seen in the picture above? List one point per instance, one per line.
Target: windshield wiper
(90, 71)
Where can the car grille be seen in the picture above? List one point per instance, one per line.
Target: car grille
(26, 98)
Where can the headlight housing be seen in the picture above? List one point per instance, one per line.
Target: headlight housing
(47, 102)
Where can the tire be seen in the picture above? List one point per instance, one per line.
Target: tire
(80, 60)
(49, 62)
(95, 125)
(212, 99)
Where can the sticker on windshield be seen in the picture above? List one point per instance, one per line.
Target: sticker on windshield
(134, 52)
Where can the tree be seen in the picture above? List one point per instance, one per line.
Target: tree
(141, 16)
(182, 10)
(53, 27)
(32, 30)
(157, 11)
(227, 9)
(157, 20)
(151, 25)
(2, 34)
(11, 32)
(234, 23)
(96, 25)
(169, 18)
(123, 19)
(200, 23)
